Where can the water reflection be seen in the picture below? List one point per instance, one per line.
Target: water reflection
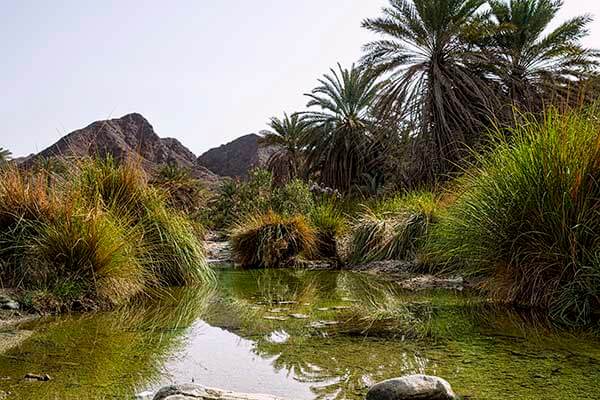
(303, 335)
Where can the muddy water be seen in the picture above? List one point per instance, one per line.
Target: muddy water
(302, 335)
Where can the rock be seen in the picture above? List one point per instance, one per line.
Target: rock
(338, 308)
(412, 387)
(9, 305)
(147, 395)
(299, 316)
(348, 299)
(278, 310)
(322, 324)
(36, 377)
(197, 392)
(423, 282)
(217, 252)
(275, 318)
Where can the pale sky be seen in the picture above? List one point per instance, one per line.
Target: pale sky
(202, 71)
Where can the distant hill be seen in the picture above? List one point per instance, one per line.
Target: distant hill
(123, 137)
(236, 158)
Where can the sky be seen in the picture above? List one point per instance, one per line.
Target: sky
(202, 71)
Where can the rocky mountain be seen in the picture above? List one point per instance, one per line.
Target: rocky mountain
(236, 158)
(121, 138)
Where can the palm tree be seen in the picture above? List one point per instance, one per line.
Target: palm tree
(339, 147)
(5, 155)
(286, 136)
(435, 80)
(535, 67)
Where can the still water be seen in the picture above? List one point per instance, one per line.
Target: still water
(302, 335)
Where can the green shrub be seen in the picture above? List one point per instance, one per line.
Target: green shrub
(329, 224)
(270, 240)
(293, 198)
(235, 200)
(173, 251)
(120, 187)
(80, 256)
(527, 216)
(393, 229)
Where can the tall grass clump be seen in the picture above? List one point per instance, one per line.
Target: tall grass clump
(174, 252)
(121, 187)
(393, 229)
(25, 197)
(271, 240)
(99, 238)
(90, 255)
(329, 224)
(527, 216)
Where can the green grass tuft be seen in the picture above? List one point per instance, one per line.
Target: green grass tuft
(527, 216)
(270, 240)
(329, 223)
(393, 229)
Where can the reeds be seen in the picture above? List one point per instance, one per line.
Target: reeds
(393, 229)
(329, 224)
(527, 216)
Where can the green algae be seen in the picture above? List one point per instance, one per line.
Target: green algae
(484, 351)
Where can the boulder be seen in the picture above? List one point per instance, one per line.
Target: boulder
(198, 392)
(6, 303)
(412, 387)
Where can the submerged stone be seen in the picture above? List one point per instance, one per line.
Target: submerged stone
(37, 377)
(275, 318)
(11, 305)
(322, 324)
(338, 308)
(278, 310)
(299, 316)
(197, 392)
(412, 387)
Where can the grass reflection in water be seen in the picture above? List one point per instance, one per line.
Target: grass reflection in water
(303, 334)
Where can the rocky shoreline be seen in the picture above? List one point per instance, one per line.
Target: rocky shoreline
(410, 387)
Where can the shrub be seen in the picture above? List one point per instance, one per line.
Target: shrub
(121, 187)
(173, 251)
(293, 198)
(270, 240)
(329, 223)
(25, 197)
(236, 200)
(527, 216)
(78, 256)
(393, 229)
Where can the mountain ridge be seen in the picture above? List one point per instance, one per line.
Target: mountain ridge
(121, 138)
